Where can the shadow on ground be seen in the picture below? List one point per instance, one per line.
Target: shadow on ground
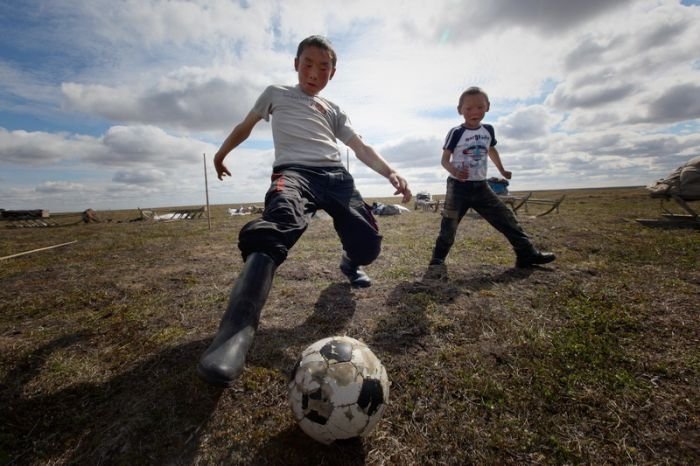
(332, 312)
(151, 414)
(408, 321)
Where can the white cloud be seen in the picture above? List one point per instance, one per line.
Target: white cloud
(191, 98)
(60, 187)
(526, 123)
(139, 177)
(101, 96)
(147, 145)
(39, 148)
(677, 103)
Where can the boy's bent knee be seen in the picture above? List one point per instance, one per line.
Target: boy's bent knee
(267, 241)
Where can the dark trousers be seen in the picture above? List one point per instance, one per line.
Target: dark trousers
(462, 195)
(295, 194)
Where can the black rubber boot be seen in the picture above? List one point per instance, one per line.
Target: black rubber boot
(223, 361)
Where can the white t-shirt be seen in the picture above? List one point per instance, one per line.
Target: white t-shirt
(304, 128)
(470, 149)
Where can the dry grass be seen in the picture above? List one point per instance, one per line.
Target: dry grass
(593, 360)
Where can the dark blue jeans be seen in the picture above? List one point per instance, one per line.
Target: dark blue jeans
(295, 194)
(462, 195)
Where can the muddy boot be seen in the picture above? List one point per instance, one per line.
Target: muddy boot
(223, 361)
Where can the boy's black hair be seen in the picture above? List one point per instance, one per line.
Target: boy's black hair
(474, 90)
(320, 42)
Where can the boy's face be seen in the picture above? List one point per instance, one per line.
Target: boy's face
(315, 69)
(473, 109)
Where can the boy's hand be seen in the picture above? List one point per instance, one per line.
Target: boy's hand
(221, 169)
(401, 186)
(506, 174)
(461, 173)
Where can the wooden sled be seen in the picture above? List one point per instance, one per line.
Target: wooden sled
(674, 220)
(171, 216)
(516, 202)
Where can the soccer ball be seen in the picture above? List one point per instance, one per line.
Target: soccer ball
(338, 389)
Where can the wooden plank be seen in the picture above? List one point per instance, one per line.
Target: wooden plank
(37, 250)
(674, 221)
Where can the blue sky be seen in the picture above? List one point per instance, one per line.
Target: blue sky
(111, 104)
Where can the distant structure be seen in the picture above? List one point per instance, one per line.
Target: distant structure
(23, 214)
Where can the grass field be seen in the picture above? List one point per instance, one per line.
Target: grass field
(593, 359)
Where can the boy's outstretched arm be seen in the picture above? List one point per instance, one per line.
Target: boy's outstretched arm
(376, 162)
(496, 159)
(239, 134)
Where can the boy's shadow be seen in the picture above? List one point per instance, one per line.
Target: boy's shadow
(404, 328)
(333, 310)
(152, 413)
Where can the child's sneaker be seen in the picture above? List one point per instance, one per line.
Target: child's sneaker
(358, 278)
(535, 259)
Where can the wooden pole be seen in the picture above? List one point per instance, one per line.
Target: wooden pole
(37, 250)
(206, 189)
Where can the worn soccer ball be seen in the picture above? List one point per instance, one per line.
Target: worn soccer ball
(338, 389)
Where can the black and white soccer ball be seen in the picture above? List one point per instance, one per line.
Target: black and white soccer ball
(338, 389)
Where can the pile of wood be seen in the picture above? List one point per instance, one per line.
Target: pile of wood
(27, 218)
(39, 218)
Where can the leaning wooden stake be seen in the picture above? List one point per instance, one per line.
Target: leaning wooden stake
(37, 250)
(206, 189)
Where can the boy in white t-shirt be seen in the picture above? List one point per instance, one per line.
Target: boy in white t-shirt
(308, 174)
(465, 157)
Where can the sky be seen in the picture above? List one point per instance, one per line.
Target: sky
(119, 104)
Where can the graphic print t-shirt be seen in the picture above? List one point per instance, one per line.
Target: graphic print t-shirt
(304, 128)
(470, 149)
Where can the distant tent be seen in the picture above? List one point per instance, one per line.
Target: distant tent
(683, 182)
(682, 186)
(388, 209)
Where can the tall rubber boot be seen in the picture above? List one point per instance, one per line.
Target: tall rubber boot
(223, 361)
